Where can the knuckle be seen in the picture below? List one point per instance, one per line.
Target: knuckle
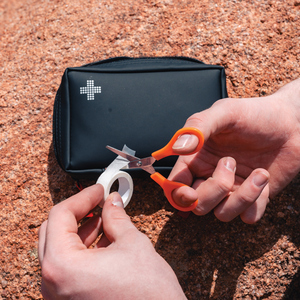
(54, 277)
(121, 220)
(201, 210)
(56, 208)
(225, 102)
(50, 273)
(195, 116)
(219, 102)
(224, 186)
(246, 200)
(196, 119)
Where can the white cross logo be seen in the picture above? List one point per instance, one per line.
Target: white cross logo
(90, 90)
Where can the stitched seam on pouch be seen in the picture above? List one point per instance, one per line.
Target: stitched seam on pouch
(147, 60)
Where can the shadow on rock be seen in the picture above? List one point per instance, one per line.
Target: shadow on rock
(209, 256)
(61, 185)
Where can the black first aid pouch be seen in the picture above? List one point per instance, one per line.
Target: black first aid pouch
(140, 102)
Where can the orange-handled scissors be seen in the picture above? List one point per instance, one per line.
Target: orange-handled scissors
(146, 164)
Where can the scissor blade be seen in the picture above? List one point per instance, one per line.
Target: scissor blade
(123, 154)
(146, 167)
(142, 162)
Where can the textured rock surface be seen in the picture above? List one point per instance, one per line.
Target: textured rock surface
(256, 41)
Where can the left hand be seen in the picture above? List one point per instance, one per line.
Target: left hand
(122, 265)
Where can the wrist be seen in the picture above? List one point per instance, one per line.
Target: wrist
(289, 96)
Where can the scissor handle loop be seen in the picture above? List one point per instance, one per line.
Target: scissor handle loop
(168, 150)
(168, 187)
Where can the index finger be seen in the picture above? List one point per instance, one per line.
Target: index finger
(63, 218)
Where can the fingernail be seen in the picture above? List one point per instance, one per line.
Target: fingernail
(117, 200)
(260, 179)
(183, 141)
(229, 164)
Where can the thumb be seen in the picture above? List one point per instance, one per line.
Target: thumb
(210, 121)
(185, 144)
(116, 223)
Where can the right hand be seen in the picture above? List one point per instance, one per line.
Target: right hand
(251, 152)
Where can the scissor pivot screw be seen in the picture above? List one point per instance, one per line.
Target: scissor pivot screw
(139, 163)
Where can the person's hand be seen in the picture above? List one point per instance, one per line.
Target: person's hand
(251, 152)
(122, 265)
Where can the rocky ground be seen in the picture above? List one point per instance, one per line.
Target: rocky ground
(259, 45)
